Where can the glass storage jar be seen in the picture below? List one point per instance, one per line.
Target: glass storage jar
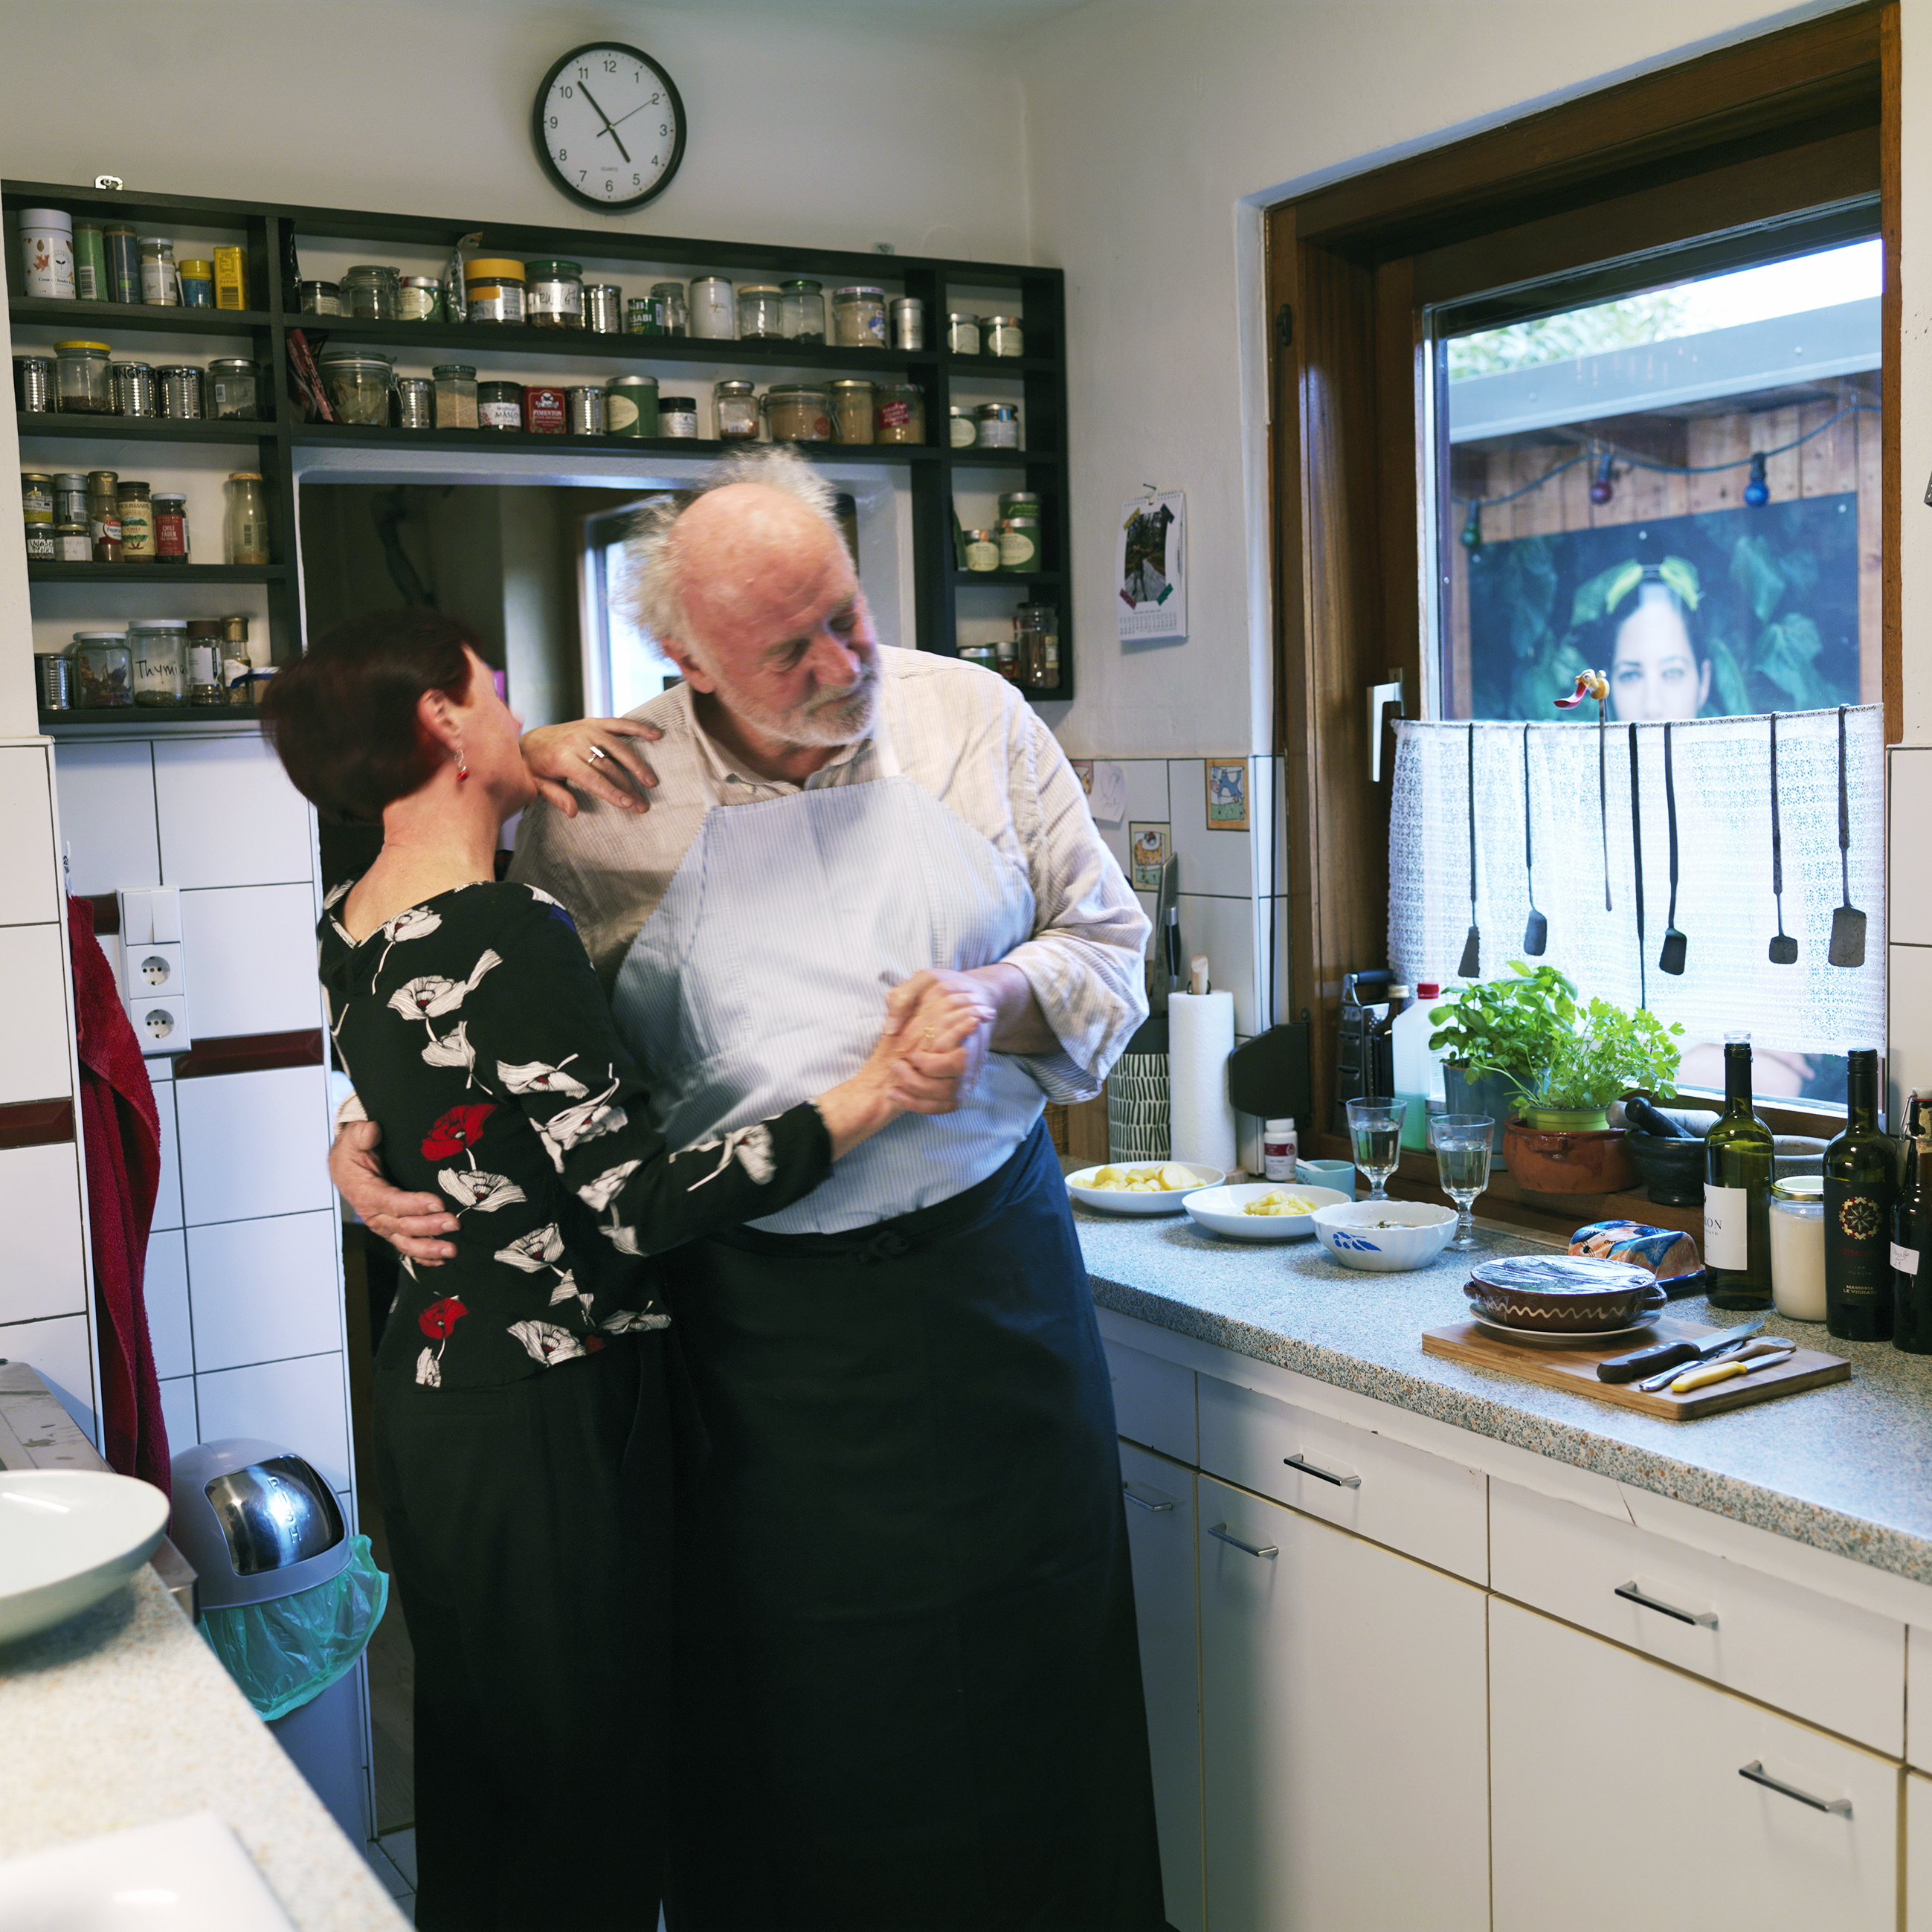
(135, 502)
(419, 299)
(103, 670)
(80, 375)
(359, 381)
(499, 406)
(859, 317)
(798, 413)
(554, 295)
(171, 540)
(713, 314)
(676, 316)
(1002, 335)
(161, 280)
(760, 312)
(235, 388)
(159, 648)
(1797, 1246)
(1037, 644)
(373, 293)
(900, 416)
(962, 333)
(677, 415)
(37, 497)
(999, 425)
(736, 403)
(206, 683)
(802, 311)
(72, 543)
(493, 289)
(320, 297)
(455, 395)
(103, 514)
(853, 400)
(631, 406)
(247, 518)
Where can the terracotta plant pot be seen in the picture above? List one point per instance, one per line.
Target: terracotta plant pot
(1564, 1161)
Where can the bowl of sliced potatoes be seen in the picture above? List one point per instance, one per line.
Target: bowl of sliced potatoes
(1140, 1187)
(1260, 1210)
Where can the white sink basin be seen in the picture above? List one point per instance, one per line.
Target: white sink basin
(67, 1537)
(186, 1874)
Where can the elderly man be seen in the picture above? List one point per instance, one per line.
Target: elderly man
(909, 1681)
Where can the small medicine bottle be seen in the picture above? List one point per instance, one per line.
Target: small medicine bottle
(1280, 1150)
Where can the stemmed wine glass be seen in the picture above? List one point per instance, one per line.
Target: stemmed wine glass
(1463, 1145)
(1375, 1128)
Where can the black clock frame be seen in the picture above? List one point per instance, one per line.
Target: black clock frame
(550, 167)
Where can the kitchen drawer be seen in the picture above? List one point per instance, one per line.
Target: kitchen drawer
(1821, 1660)
(1423, 1505)
(1153, 1400)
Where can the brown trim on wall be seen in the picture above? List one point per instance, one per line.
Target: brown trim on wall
(250, 1053)
(26, 1124)
(106, 912)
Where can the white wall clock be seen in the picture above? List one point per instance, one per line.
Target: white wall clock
(609, 126)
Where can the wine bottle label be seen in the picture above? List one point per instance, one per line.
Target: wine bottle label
(1857, 1247)
(1726, 1227)
(1906, 1260)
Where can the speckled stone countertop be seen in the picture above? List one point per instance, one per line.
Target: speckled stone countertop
(1847, 1467)
(123, 1716)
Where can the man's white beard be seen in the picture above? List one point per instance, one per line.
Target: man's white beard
(832, 717)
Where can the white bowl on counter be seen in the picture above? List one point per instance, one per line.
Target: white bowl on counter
(1220, 1210)
(68, 1538)
(1419, 1234)
(1117, 1200)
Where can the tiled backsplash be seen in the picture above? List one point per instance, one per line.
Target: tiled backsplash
(1908, 929)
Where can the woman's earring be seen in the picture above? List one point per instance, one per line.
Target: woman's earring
(462, 767)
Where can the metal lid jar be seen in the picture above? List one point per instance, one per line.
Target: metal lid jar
(859, 317)
(103, 670)
(802, 311)
(358, 382)
(234, 386)
(499, 406)
(999, 425)
(159, 648)
(798, 413)
(760, 312)
(736, 403)
(372, 292)
(712, 315)
(899, 415)
(853, 399)
(420, 299)
(1002, 335)
(554, 295)
(677, 416)
(962, 333)
(81, 378)
(455, 403)
(493, 289)
(319, 298)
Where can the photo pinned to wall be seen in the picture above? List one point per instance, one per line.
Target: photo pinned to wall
(1148, 846)
(1227, 794)
(1151, 567)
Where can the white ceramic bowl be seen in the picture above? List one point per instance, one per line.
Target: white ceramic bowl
(1111, 1200)
(1218, 1209)
(1423, 1233)
(68, 1536)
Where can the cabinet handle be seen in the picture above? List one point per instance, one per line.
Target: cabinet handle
(1270, 1550)
(1322, 1475)
(1631, 1594)
(1756, 1773)
(1164, 1503)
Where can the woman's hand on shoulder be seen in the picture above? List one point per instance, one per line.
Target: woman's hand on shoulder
(599, 755)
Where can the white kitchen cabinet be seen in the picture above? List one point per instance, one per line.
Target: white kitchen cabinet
(29, 870)
(1153, 1401)
(1161, 1539)
(1343, 1730)
(1622, 1792)
(106, 793)
(228, 816)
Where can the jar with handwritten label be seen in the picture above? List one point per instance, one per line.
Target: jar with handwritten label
(159, 646)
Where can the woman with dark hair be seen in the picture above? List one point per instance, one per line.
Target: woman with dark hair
(1659, 668)
(522, 1436)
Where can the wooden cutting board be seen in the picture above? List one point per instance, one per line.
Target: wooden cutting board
(1574, 1370)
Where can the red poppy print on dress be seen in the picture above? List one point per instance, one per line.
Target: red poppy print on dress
(440, 1317)
(460, 1128)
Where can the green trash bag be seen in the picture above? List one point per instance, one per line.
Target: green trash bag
(283, 1652)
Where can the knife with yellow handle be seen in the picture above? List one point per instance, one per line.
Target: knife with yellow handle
(1722, 1372)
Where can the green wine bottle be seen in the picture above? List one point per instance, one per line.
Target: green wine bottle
(1911, 1234)
(1860, 1185)
(1737, 1192)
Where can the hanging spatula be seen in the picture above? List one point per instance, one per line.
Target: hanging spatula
(1783, 947)
(1636, 860)
(1536, 928)
(1671, 959)
(1470, 966)
(1848, 924)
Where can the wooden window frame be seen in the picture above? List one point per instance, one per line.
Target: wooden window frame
(1736, 145)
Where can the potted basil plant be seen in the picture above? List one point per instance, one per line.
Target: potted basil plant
(1562, 1063)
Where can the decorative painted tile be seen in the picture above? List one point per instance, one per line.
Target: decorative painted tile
(1149, 847)
(1227, 794)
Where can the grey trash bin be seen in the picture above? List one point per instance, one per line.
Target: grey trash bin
(289, 1601)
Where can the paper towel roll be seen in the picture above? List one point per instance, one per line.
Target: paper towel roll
(1200, 1036)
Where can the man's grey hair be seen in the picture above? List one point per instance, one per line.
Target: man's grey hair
(653, 591)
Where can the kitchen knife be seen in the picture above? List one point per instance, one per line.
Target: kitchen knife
(1165, 965)
(1720, 1372)
(1774, 1345)
(1671, 1354)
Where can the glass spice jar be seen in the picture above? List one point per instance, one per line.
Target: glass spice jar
(760, 312)
(103, 670)
(900, 414)
(1002, 335)
(999, 425)
(319, 298)
(499, 406)
(36, 498)
(419, 298)
(135, 501)
(802, 311)
(103, 514)
(372, 292)
(736, 405)
(980, 551)
(247, 522)
(859, 317)
(853, 399)
(159, 649)
(798, 413)
(160, 281)
(171, 543)
(962, 333)
(493, 289)
(81, 378)
(1036, 642)
(238, 670)
(206, 684)
(234, 389)
(676, 313)
(677, 416)
(72, 543)
(554, 294)
(455, 395)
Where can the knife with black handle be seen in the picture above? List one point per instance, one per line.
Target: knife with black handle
(1673, 1354)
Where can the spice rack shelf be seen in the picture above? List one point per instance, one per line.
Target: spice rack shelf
(272, 234)
(115, 720)
(985, 579)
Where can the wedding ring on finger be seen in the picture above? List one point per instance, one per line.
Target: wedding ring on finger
(595, 752)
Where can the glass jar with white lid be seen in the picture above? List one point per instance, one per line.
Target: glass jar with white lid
(760, 312)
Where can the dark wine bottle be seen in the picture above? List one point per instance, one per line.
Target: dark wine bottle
(1737, 1192)
(1861, 1186)
(1911, 1234)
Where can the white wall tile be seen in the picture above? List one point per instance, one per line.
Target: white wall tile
(170, 1334)
(261, 1290)
(1147, 788)
(45, 1269)
(168, 1194)
(248, 953)
(1224, 929)
(29, 869)
(297, 1405)
(1220, 862)
(1908, 994)
(228, 816)
(106, 794)
(57, 1349)
(177, 1415)
(253, 1145)
(1908, 905)
(33, 1014)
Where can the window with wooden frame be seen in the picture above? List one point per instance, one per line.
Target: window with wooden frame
(1783, 146)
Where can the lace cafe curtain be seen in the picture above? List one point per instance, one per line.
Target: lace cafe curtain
(1722, 768)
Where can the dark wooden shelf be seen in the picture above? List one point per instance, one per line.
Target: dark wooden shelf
(142, 429)
(998, 577)
(156, 573)
(976, 458)
(995, 365)
(354, 435)
(140, 717)
(82, 321)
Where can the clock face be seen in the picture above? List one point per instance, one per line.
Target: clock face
(609, 126)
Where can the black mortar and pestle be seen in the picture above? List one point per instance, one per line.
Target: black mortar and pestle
(1669, 1154)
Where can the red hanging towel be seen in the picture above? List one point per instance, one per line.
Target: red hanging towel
(120, 1133)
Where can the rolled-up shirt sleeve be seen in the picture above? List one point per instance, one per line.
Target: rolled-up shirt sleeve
(1086, 960)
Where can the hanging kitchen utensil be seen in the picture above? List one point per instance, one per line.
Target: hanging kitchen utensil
(1536, 928)
(1636, 862)
(1783, 947)
(1671, 959)
(1470, 966)
(1848, 924)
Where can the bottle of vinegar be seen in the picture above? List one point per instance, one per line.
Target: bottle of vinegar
(1911, 1234)
(1737, 1192)
(1860, 1187)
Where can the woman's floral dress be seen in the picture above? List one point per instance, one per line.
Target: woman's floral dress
(478, 1039)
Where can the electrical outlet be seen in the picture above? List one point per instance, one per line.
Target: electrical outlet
(151, 968)
(160, 1024)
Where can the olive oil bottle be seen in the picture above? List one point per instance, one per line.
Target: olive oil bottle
(1737, 1192)
(1860, 1187)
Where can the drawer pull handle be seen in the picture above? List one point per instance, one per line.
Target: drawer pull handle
(1162, 1503)
(1756, 1773)
(1270, 1550)
(1322, 1475)
(1631, 1594)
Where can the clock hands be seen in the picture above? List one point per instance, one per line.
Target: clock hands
(609, 126)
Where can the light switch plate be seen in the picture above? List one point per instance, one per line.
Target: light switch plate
(152, 913)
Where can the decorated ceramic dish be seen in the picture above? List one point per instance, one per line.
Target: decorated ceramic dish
(1571, 1294)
